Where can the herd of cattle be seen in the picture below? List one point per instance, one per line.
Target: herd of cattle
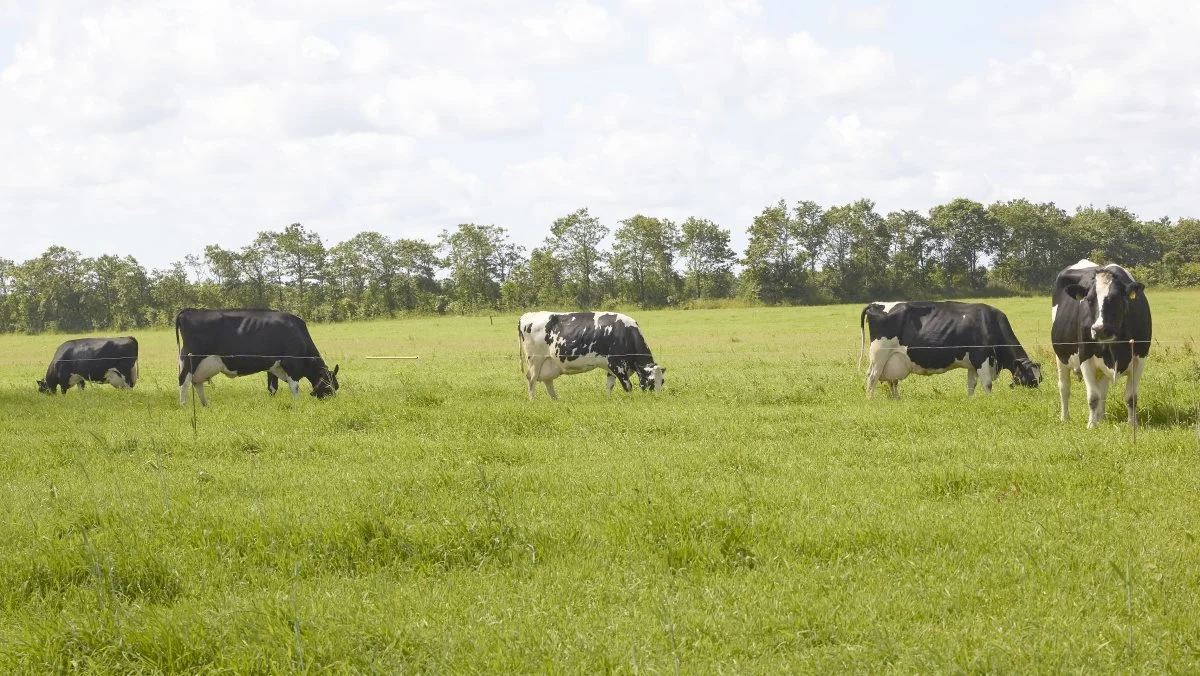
(1101, 330)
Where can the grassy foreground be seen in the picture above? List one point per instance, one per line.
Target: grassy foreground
(760, 515)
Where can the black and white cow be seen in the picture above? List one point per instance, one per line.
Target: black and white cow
(242, 342)
(566, 343)
(928, 337)
(98, 360)
(1101, 329)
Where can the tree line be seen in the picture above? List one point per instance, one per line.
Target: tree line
(797, 253)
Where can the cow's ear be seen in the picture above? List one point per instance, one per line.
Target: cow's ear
(335, 368)
(1077, 291)
(1135, 289)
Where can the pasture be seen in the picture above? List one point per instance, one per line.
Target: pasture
(760, 515)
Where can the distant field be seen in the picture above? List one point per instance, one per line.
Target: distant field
(760, 515)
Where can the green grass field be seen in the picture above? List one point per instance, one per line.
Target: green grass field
(760, 515)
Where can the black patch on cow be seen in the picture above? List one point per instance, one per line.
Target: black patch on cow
(90, 359)
(1125, 318)
(939, 333)
(251, 341)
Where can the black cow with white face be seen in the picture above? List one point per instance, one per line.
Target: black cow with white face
(928, 337)
(242, 342)
(1101, 329)
(566, 343)
(97, 360)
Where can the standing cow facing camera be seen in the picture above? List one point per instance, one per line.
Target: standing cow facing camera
(928, 337)
(97, 360)
(565, 343)
(1101, 329)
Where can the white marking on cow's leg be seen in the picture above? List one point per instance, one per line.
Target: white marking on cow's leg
(988, 374)
(550, 389)
(1064, 388)
(612, 380)
(199, 388)
(972, 374)
(115, 379)
(294, 385)
(187, 382)
(1097, 388)
(1133, 376)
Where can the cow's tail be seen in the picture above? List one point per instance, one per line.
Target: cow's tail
(178, 345)
(862, 335)
(520, 349)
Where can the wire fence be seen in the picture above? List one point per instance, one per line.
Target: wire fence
(809, 350)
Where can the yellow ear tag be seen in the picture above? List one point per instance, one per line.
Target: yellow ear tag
(1133, 295)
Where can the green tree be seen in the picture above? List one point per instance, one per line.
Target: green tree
(968, 235)
(706, 253)
(575, 239)
(774, 260)
(643, 260)
(480, 258)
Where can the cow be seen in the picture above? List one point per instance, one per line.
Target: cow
(97, 360)
(928, 337)
(565, 343)
(1101, 329)
(242, 342)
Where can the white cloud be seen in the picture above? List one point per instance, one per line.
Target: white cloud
(868, 18)
(157, 127)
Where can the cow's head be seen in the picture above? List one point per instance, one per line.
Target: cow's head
(1026, 372)
(1105, 303)
(44, 387)
(651, 377)
(327, 383)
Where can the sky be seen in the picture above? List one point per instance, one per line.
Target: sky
(156, 128)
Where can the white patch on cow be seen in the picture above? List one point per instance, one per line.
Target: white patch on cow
(75, 379)
(115, 379)
(1053, 313)
(209, 367)
(890, 363)
(1104, 280)
(1083, 264)
(278, 371)
(887, 307)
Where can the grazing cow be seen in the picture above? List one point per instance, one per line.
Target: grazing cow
(99, 360)
(1100, 329)
(566, 343)
(242, 342)
(928, 337)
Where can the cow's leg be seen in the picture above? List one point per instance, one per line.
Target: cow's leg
(199, 388)
(625, 383)
(531, 382)
(612, 380)
(972, 375)
(279, 372)
(1133, 377)
(550, 389)
(987, 375)
(1064, 389)
(1097, 391)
